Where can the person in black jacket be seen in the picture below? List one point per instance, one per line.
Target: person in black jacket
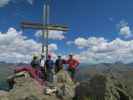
(59, 64)
(35, 62)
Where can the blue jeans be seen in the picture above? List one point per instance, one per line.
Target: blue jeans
(50, 75)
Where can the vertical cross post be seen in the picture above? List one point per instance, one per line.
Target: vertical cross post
(45, 23)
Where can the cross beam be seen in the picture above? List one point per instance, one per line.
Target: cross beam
(40, 26)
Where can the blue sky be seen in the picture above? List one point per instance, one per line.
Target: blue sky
(109, 21)
(91, 17)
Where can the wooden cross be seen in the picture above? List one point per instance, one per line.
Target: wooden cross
(45, 27)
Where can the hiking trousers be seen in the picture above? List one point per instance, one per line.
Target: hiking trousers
(72, 72)
(50, 75)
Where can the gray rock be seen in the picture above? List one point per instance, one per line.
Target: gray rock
(101, 87)
(26, 88)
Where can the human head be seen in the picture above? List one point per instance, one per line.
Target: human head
(59, 57)
(70, 56)
(34, 57)
(49, 56)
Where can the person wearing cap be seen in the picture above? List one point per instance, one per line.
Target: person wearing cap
(72, 66)
(49, 65)
(35, 62)
(59, 64)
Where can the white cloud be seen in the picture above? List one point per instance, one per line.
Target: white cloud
(81, 42)
(100, 50)
(124, 29)
(14, 47)
(122, 23)
(4, 2)
(53, 47)
(55, 35)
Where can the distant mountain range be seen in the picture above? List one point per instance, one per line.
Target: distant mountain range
(86, 71)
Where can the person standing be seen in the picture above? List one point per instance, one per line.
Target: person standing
(72, 66)
(49, 65)
(59, 64)
(42, 61)
(35, 62)
(42, 66)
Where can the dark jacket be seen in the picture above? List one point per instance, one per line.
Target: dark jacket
(59, 64)
(49, 64)
(35, 63)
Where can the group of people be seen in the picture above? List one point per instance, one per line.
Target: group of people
(49, 68)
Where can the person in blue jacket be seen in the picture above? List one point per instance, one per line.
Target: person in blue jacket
(49, 65)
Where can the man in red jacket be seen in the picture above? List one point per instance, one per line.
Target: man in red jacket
(72, 65)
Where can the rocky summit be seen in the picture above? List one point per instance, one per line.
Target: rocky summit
(26, 88)
(98, 87)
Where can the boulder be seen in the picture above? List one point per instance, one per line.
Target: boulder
(65, 86)
(101, 87)
(26, 89)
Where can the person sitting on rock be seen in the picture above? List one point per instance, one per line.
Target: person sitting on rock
(72, 66)
(49, 65)
(59, 64)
